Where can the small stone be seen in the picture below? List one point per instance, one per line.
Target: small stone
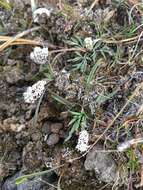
(64, 115)
(46, 128)
(36, 136)
(55, 127)
(53, 139)
(17, 127)
(13, 75)
(11, 62)
(11, 124)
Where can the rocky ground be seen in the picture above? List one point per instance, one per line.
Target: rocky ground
(106, 85)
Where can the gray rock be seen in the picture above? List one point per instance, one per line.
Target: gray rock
(103, 165)
(46, 128)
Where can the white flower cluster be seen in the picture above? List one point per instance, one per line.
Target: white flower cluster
(83, 139)
(34, 92)
(39, 12)
(39, 55)
(89, 43)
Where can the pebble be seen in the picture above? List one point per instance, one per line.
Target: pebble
(13, 75)
(53, 139)
(55, 127)
(46, 128)
(36, 136)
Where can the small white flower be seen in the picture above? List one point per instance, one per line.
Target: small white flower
(89, 43)
(39, 12)
(39, 55)
(83, 139)
(34, 92)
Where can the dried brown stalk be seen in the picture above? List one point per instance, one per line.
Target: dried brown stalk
(20, 35)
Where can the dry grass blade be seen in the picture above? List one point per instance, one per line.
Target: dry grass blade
(109, 16)
(127, 40)
(93, 4)
(22, 41)
(19, 41)
(13, 39)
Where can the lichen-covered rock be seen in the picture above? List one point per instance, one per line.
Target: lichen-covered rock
(103, 165)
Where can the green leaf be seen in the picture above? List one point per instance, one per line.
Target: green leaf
(62, 100)
(24, 178)
(78, 119)
(76, 113)
(102, 98)
(78, 54)
(72, 121)
(75, 126)
(75, 59)
(20, 180)
(92, 73)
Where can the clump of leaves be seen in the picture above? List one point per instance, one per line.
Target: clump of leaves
(84, 59)
(78, 121)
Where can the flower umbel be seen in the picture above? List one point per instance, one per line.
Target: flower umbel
(83, 139)
(39, 55)
(39, 12)
(34, 92)
(89, 43)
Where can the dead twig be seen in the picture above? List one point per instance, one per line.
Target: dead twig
(18, 40)
(22, 41)
(68, 49)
